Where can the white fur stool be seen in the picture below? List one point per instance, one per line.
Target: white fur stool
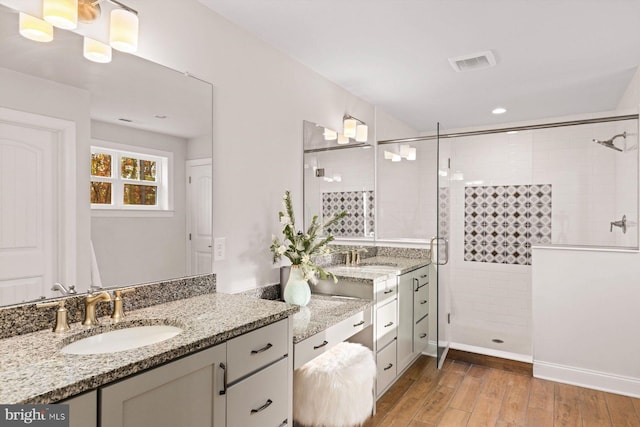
(336, 388)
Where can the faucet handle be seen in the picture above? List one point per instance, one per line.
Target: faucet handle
(118, 309)
(62, 324)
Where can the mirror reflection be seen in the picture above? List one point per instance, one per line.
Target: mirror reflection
(105, 169)
(339, 177)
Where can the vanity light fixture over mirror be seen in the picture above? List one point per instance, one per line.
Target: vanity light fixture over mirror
(339, 176)
(133, 132)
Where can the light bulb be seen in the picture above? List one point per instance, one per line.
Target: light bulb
(343, 139)
(330, 135)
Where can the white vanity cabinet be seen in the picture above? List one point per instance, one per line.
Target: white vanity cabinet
(181, 393)
(413, 308)
(83, 409)
(243, 382)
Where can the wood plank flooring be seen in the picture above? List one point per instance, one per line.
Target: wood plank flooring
(467, 395)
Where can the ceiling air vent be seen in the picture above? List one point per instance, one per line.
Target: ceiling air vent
(474, 61)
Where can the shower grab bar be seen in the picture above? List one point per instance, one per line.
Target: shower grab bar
(446, 250)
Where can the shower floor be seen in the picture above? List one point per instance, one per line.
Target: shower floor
(477, 340)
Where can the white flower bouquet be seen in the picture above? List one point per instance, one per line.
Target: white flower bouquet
(299, 247)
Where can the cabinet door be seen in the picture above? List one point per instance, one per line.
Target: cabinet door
(386, 323)
(183, 393)
(405, 320)
(83, 410)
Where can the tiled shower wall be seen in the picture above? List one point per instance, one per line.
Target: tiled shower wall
(359, 206)
(592, 185)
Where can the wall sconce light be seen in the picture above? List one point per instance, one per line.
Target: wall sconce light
(330, 135)
(343, 139)
(35, 29)
(65, 14)
(406, 152)
(353, 127)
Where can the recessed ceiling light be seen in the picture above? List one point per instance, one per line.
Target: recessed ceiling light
(122, 119)
(160, 116)
(499, 110)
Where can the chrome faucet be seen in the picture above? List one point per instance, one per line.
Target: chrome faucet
(71, 290)
(90, 303)
(622, 224)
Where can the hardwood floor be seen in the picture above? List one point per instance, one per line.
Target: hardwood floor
(466, 395)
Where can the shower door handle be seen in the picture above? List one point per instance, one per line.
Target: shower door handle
(446, 250)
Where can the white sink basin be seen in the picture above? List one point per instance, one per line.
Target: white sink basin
(122, 339)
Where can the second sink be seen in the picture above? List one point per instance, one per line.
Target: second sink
(122, 339)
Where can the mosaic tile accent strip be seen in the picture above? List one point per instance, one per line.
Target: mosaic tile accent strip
(502, 222)
(360, 206)
(444, 213)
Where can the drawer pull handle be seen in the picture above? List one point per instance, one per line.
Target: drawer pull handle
(424, 276)
(325, 342)
(224, 379)
(388, 291)
(423, 302)
(265, 348)
(388, 324)
(263, 407)
(389, 366)
(284, 423)
(423, 335)
(358, 324)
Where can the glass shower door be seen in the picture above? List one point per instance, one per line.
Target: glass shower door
(439, 248)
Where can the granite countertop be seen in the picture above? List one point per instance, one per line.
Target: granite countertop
(33, 370)
(324, 311)
(378, 266)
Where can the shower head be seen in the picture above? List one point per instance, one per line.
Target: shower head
(609, 142)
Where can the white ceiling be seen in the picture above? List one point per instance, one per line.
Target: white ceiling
(555, 57)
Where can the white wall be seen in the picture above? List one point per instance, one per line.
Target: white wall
(26, 93)
(260, 97)
(199, 147)
(586, 318)
(142, 249)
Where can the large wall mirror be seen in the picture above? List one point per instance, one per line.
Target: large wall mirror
(339, 177)
(105, 169)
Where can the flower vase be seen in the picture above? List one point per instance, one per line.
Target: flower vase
(297, 290)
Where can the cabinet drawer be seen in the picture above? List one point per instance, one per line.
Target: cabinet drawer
(420, 301)
(421, 335)
(422, 274)
(386, 290)
(261, 399)
(386, 363)
(250, 352)
(324, 340)
(386, 323)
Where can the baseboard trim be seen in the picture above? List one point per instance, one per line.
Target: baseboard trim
(509, 365)
(612, 383)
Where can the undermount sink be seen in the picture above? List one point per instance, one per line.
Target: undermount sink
(122, 339)
(377, 267)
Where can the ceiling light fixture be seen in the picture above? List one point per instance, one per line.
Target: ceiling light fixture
(499, 110)
(353, 127)
(65, 14)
